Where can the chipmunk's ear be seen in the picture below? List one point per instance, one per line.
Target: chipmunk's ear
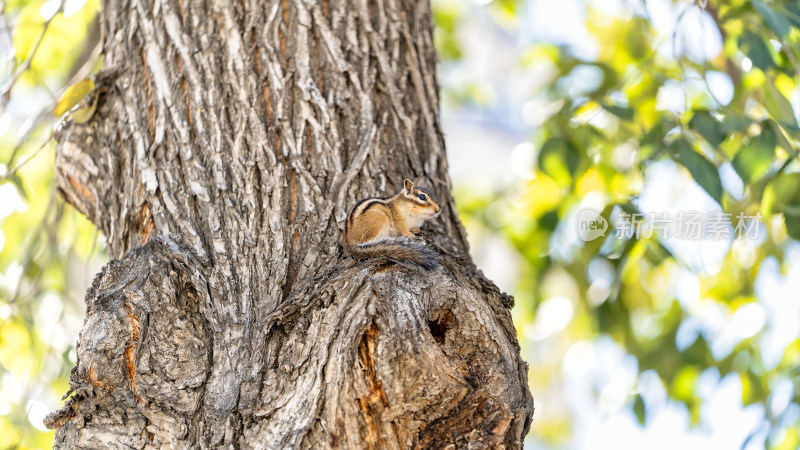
(409, 186)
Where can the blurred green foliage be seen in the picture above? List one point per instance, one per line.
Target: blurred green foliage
(48, 251)
(650, 98)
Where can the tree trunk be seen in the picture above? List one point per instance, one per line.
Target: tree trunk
(229, 144)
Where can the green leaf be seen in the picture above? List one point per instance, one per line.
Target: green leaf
(638, 38)
(754, 158)
(629, 208)
(73, 95)
(703, 171)
(732, 124)
(781, 191)
(698, 353)
(549, 220)
(655, 135)
(559, 159)
(17, 181)
(87, 109)
(791, 218)
(753, 389)
(623, 112)
(756, 49)
(781, 138)
(639, 409)
(651, 144)
(779, 23)
(708, 127)
(791, 354)
(782, 195)
(777, 105)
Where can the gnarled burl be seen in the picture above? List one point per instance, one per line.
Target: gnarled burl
(220, 164)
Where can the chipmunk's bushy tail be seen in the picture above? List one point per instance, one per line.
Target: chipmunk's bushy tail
(398, 249)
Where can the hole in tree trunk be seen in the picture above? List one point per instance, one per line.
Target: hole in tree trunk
(441, 324)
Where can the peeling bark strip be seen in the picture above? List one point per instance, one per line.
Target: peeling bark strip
(220, 165)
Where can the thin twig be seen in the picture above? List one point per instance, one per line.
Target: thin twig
(27, 128)
(28, 158)
(680, 60)
(7, 28)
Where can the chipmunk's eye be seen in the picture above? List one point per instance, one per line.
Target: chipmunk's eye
(422, 196)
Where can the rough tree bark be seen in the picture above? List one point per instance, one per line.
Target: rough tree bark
(220, 164)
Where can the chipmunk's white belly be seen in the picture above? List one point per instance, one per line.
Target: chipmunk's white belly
(385, 233)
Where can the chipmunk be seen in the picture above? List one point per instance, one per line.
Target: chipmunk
(386, 227)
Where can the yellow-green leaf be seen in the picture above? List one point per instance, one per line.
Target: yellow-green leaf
(73, 95)
(777, 105)
(639, 409)
(754, 158)
(83, 114)
(703, 171)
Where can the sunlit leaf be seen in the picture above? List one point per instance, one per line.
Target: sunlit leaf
(782, 141)
(637, 38)
(623, 113)
(682, 387)
(703, 171)
(507, 6)
(753, 389)
(708, 127)
(777, 105)
(656, 134)
(782, 195)
(559, 159)
(782, 190)
(85, 113)
(15, 346)
(753, 159)
(446, 17)
(73, 95)
(791, 355)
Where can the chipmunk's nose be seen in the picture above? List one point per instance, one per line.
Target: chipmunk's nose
(438, 208)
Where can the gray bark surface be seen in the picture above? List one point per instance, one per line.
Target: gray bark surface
(229, 142)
